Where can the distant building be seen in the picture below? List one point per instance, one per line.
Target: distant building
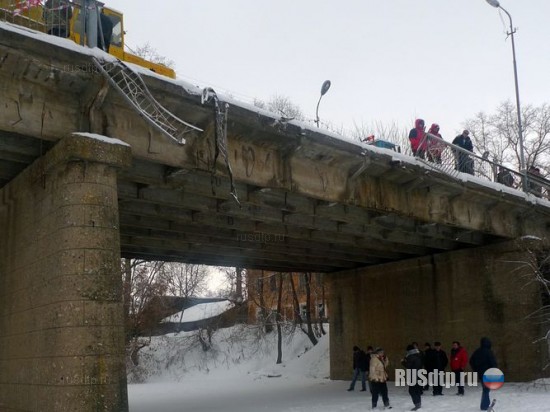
(263, 292)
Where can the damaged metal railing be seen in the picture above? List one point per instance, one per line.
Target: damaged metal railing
(453, 160)
(134, 90)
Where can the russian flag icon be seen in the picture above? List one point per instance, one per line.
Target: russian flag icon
(493, 378)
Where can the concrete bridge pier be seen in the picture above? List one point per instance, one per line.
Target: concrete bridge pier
(61, 320)
(461, 295)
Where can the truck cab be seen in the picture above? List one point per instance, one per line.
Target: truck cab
(31, 14)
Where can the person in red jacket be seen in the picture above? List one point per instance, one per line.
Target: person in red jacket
(459, 360)
(417, 137)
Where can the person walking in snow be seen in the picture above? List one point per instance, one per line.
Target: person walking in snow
(360, 367)
(417, 137)
(435, 145)
(483, 359)
(459, 361)
(378, 376)
(413, 361)
(464, 163)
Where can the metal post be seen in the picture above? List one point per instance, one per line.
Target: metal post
(91, 23)
(522, 167)
(317, 111)
(80, 25)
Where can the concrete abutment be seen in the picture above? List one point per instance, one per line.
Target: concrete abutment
(462, 295)
(61, 318)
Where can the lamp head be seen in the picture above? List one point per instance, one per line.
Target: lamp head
(325, 87)
(494, 3)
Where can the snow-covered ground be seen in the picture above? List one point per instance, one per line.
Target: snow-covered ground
(239, 374)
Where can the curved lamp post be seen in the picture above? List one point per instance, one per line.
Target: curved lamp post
(522, 167)
(324, 90)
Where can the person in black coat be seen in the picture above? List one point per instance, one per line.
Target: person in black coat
(360, 367)
(413, 361)
(428, 360)
(439, 362)
(464, 163)
(505, 177)
(483, 359)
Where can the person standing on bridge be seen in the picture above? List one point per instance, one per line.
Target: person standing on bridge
(459, 361)
(532, 175)
(435, 145)
(464, 163)
(505, 177)
(417, 137)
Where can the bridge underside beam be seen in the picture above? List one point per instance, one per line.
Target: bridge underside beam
(188, 215)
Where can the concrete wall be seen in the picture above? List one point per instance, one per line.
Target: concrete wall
(460, 296)
(61, 323)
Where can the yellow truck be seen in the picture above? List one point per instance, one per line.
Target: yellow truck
(29, 13)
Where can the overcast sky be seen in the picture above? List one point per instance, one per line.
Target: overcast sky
(388, 60)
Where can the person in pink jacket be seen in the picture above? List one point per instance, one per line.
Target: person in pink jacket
(435, 144)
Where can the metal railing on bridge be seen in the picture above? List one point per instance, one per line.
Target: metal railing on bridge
(453, 160)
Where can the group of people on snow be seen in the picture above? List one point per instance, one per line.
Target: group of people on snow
(371, 365)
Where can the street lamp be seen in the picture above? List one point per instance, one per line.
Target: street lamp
(324, 90)
(522, 167)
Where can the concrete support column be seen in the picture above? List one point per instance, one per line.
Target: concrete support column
(61, 319)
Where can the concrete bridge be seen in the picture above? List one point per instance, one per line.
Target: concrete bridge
(411, 253)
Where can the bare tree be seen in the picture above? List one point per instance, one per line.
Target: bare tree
(283, 106)
(262, 305)
(148, 52)
(142, 282)
(322, 308)
(296, 304)
(309, 332)
(279, 318)
(498, 134)
(185, 280)
(239, 283)
(235, 288)
(537, 263)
